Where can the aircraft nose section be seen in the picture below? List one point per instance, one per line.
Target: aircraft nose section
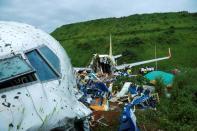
(47, 109)
(41, 102)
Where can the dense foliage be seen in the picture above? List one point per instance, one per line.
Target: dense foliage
(120, 80)
(135, 37)
(178, 112)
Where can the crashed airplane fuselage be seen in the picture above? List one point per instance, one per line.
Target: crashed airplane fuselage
(37, 85)
(107, 63)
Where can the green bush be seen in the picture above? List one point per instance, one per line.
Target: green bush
(160, 87)
(178, 112)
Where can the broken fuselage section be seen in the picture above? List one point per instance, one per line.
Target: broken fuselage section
(102, 64)
(37, 86)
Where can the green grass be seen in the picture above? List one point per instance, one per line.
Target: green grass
(179, 112)
(135, 36)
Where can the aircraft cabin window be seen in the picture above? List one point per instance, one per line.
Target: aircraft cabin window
(43, 69)
(15, 71)
(51, 57)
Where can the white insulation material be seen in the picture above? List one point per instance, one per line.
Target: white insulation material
(39, 105)
(124, 89)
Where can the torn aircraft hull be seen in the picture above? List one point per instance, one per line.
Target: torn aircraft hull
(37, 85)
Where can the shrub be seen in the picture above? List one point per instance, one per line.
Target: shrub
(178, 112)
(129, 53)
(84, 46)
(160, 87)
(137, 41)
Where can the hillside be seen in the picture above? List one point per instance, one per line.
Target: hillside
(135, 37)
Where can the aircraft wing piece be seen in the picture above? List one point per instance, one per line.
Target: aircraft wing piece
(81, 69)
(117, 56)
(143, 62)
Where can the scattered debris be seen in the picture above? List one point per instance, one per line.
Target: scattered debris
(99, 121)
(98, 95)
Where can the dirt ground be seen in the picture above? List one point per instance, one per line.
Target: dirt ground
(109, 120)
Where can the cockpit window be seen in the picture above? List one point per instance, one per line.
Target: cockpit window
(15, 71)
(51, 57)
(12, 67)
(42, 67)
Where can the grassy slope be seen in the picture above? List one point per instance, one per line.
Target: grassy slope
(135, 37)
(177, 113)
